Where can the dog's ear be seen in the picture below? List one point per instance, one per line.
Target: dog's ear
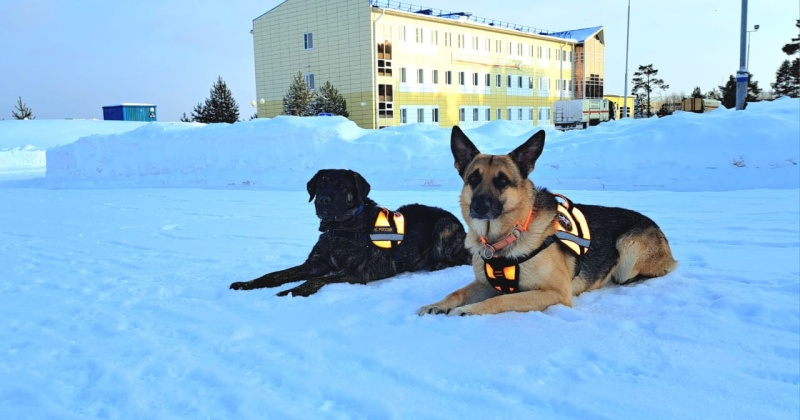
(311, 186)
(525, 156)
(463, 149)
(362, 186)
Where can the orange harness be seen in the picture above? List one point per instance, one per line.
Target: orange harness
(572, 230)
(388, 231)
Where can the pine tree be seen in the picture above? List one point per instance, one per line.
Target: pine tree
(22, 111)
(645, 79)
(714, 94)
(697, 94)
(787, 79)
(728, 92)
(298, 100)
(220, 107)
(184, 118)
(793, 46)
(327, 99)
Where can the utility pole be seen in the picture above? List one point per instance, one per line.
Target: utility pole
(741, 75)
(627, 43)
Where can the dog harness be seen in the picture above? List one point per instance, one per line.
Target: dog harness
(390, 226)
(572, 230)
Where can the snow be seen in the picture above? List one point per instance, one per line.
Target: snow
(114, 272)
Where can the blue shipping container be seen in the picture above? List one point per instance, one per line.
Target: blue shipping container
(130, 112)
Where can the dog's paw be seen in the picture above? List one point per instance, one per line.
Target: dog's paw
(461, 311)
(432, 310)
(240, 285)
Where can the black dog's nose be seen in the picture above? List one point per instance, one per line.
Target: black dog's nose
(483, 206)
(324, 200)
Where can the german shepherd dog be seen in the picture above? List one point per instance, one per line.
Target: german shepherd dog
(363, 242)
(532, 248)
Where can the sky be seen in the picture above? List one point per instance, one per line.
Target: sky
(69, 59)
(115, 265)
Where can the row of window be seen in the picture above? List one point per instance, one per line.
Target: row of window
(477, 43)
(476, 79)
(476, 114)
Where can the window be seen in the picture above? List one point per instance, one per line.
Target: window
(530, 114)
(435, 77)
(385, 98)
(509, 114)
(544, 114)
(530, 51)
(402, 32)
(488, 114)
(435, 37)
(519, 49)
(499, 114)
(420, 115)
(509, 47)
(448, 77)
(402, 75)
(498, 46)
(385, 59)
(519, 82)
(310, 81)
(448, 39)
(488, 45)
(420, 76)
(539, 50)
(308, 40)
(474, 114)
(475, 79)
(519, 114)
(419, 36)
(499, 82)
(475, 43)
(461, 114)
(461, 41)
(488, 79)
(549, 50)
(530, 82)
(461, 78)
(435, 115)
(403, 116)
(508, 81)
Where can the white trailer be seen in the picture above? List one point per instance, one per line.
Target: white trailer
(580, 113)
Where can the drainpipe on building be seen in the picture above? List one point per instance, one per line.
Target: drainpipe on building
(374, 65)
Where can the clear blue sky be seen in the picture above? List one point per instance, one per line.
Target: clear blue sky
(69, 58)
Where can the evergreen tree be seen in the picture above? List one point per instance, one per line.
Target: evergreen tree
(184, 118)
(793, 46)
(22, 111)
(645, 80)
(298, 100)
(728, 92)
(697, 94)
(327, 99)
(714, 94)
(220, 107)
(787, 79)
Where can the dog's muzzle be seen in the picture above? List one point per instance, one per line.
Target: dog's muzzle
(485, 207)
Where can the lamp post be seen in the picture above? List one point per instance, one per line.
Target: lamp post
(627, 41)
(755, 28)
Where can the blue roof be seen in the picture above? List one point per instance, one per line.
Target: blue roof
(580, 35)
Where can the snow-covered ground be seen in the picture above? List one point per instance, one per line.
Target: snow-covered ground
(114, 273)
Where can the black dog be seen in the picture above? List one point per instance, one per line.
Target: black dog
(362, 242)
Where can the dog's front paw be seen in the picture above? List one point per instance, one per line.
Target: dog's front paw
(240, 285)
(460, 311)
(432, 310)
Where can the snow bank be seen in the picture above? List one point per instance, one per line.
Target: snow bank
(721, 150)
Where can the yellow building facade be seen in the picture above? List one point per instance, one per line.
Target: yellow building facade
(397, 63)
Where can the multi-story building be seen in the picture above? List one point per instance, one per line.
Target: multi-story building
(397, 63)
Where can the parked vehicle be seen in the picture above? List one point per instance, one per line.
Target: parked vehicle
(580, 113)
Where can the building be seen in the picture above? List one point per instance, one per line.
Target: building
(130, 112)
(397, 63)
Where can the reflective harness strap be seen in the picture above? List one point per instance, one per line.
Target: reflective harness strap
(572, 227)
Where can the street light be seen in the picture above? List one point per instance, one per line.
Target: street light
(755, 28)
